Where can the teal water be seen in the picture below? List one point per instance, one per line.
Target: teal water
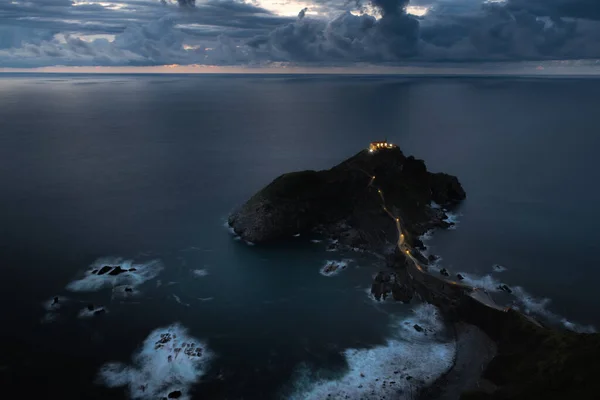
(148, 168)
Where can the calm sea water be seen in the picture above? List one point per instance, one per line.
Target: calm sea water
(148, 168)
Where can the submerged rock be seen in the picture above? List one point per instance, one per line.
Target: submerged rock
(418, 328)
(175, 394)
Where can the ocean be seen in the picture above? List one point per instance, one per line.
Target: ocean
(142, 171)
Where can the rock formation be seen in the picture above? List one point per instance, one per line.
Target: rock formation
(531, 361)
(342, 202)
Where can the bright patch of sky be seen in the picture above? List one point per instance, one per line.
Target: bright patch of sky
(109, 6)
(417, 10)
(287, 8)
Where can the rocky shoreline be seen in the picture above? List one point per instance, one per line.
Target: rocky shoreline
(501, 354)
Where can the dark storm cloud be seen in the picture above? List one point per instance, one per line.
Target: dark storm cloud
(149, 32)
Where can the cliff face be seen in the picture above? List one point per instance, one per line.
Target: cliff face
(342, 201)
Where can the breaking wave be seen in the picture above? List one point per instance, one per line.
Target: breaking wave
(410, 359)
(135, 274)
(166, 366)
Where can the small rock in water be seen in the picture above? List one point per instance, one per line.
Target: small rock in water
(460, 277)
(174, 394)
(104, 270)
(444, 272)
(95, 271)
(505, 288)
(432, 258)
(128, 290)
(132, 269)
(100, 311)
(418, 328)
(117, 271)
(90, 307)
(55, 301)
(408, 377)
(498, 268)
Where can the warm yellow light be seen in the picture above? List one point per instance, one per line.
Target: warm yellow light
(373, 177)
(397, 219)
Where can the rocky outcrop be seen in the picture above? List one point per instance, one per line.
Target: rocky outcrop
(386, 284)
(343, 202)
(531, 361)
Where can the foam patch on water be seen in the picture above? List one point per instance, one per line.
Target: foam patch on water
(528, 303)
(486, 282)
(124, 292)
(434, 205)
(452, 218)
(408, 360)
(532, 305)
(199, 273)
(498, 268)
(333, 267)
(92, 311)
(52, 306)
(54, 303)
(170, 361)
(177, 299)
(229, 228)
(136, 274)
(315, 241)
(427, 236)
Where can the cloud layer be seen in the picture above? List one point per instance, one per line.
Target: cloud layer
(37, 33)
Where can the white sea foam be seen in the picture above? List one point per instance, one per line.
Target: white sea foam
(205, 298)
(167, 362)
(200, 273)
(315, 241)
(486, 282)
(383, 370)
(177, 299)
(528, 303)
(52, 305)
(229, 227)
(337, 266)
(532, 305)
(297, 235)
(452, 217)
(435, 205)
(427, 236)
(498, 268)
(95, 311)
(91, 282)
(124, 292)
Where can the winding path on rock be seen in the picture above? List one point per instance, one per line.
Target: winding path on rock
(421, 273)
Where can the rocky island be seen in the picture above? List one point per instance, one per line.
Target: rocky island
(382, 201)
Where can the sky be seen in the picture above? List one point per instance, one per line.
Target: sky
(196, 35)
